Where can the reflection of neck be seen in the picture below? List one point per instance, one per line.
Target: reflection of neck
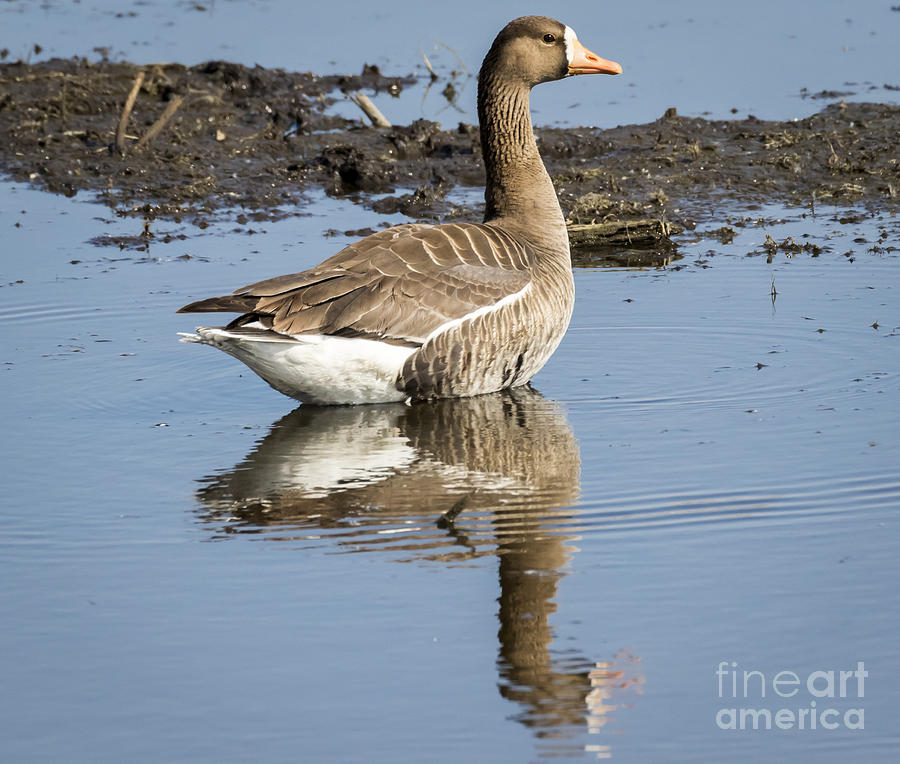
(529, 571)
(528, 576)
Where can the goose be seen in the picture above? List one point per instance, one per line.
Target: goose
(417, 311)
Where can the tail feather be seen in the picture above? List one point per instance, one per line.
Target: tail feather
(220, 336)
(229, 303)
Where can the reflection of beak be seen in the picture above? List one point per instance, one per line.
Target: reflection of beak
(585, 62)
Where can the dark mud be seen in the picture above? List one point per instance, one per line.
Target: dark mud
(245, 144)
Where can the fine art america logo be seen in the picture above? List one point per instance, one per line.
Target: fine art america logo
(785, 700)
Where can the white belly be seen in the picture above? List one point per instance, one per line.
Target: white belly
(316, 368)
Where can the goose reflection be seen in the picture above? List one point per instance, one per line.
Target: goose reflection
(505, 466)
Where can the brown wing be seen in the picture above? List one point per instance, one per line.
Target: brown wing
(399, 284)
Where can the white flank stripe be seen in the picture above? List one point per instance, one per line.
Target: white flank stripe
(510, 298)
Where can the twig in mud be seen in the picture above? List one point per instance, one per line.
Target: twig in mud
(126, 112)
(428, 65)
(157, 126)
(621, 232)
(369, 109)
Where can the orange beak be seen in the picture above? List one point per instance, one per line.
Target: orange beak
(585, 62)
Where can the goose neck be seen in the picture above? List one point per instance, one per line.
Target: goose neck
(518, 190)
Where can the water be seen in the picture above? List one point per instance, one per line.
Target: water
(192, 570)
(661, 505)
(701, 56)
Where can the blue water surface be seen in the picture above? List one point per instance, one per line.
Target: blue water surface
(706, 471)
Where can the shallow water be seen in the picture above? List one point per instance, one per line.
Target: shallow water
(192, 569)
(661, 505)
(703, 57)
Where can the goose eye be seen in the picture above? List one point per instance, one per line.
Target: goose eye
(549, 38)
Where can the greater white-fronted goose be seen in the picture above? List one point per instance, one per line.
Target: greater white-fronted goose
(419, 311)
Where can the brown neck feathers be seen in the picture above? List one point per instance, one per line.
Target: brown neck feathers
(518, 192)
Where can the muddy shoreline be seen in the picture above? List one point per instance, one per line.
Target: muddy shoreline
(225, 141)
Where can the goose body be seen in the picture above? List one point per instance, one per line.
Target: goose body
(419, 311)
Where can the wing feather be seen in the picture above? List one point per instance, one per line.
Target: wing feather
(399, 284)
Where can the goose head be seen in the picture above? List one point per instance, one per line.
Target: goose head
(535, 49)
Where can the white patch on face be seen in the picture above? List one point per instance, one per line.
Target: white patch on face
(570, 38)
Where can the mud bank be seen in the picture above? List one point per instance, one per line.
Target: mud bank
(221, 140)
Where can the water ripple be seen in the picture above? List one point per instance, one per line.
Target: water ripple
(461, 479)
